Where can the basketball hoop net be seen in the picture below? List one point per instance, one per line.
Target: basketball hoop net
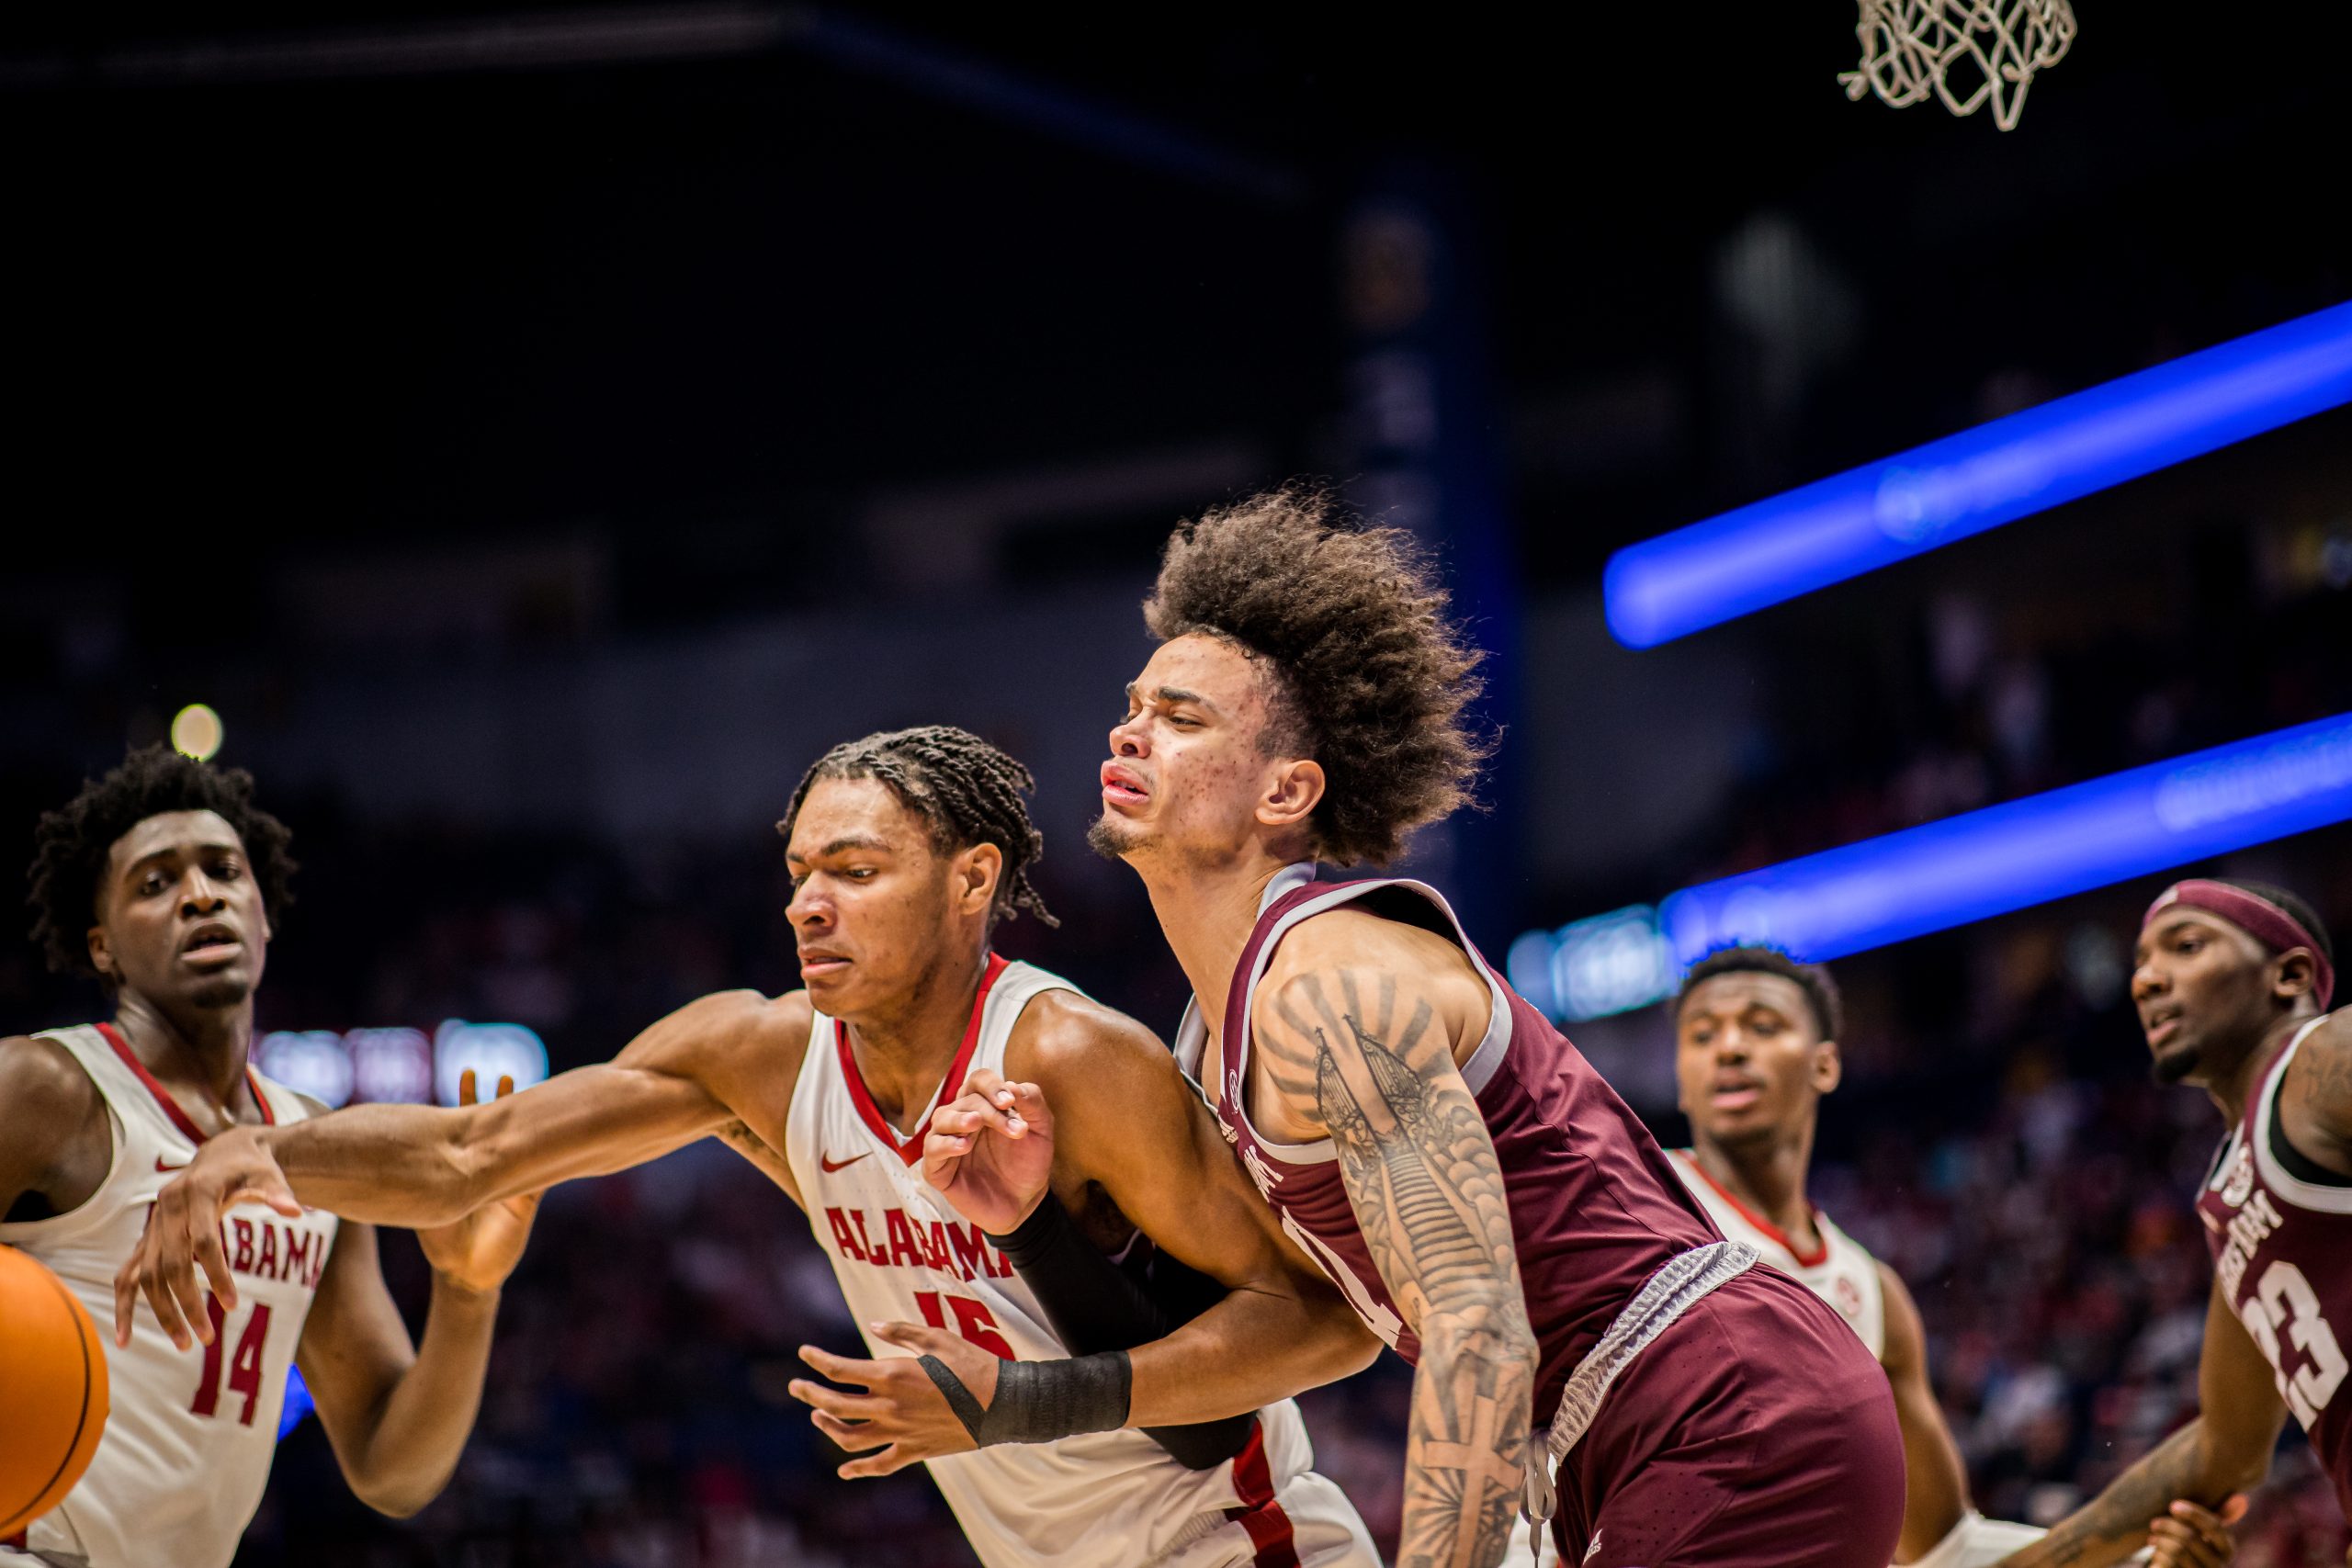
(1964, 51)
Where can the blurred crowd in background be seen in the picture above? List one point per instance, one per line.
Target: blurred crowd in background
(545, 432)
(1998, 1140)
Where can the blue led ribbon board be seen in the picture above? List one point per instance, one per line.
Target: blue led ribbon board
(1714, 571)
(2026, 851)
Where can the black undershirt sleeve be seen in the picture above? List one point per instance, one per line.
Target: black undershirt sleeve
(1096, 1304)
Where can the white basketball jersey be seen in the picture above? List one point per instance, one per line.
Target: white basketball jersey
(189, 1436)
(1104, 1500)
(1841, 1273)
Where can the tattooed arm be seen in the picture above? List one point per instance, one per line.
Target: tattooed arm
(1357, 1025)
(2226, 1448)
(2315, 1102)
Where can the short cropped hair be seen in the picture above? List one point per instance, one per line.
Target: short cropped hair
(1820, 990)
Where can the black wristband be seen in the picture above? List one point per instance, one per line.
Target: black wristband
(1039, 1402)
(960, 1399)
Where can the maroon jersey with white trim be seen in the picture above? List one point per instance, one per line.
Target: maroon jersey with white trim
(2282, 1256)
(1595, 1209)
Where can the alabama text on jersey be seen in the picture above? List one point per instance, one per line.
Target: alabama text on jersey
(190, 1434)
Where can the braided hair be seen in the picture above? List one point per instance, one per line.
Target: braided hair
(71, 844)
(967, 790)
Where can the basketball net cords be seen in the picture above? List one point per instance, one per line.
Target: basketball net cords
(1910, 49)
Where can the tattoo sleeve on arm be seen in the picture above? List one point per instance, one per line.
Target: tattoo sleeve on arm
(2114, 1525)
(1427, 1193)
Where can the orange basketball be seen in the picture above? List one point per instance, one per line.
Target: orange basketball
(52, 1390)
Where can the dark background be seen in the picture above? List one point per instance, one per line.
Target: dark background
(541, 432)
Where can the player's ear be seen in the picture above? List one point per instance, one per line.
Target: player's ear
(1293, 788)
(974, 877)
(2293, 974)
(101, 952)
(1828, 1066)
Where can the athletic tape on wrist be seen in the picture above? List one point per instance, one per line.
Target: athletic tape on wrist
(1039, 1402)
(959, 1398)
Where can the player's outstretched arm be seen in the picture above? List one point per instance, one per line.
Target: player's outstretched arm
(1935, 1482)
(1365, 1043)
(416, 1166)
(2225, 1450)
(399, 1414)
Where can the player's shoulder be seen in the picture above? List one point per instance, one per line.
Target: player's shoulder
(2331, 1036)
(2323, 1067)
(47, 1101)
(1350, 947)
(734, 1037)
(41, 1084)
(1063, 1035)
(1071, 1027)
(752, 1016)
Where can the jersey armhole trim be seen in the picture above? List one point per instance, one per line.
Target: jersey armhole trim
(2319, 1198)
(61, 1228)
(1477, 1069)
(2296, 1163)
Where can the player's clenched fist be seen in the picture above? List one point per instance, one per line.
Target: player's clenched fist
(2191, 1537)
(992, 1152)
(183, 1232)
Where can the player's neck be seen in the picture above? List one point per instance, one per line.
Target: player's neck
(198, 1051)
(1770, 1177)
(903, 1049)
(2233, 1088)
(1206, 911)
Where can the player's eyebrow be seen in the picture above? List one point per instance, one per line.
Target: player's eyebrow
(2162, 929)
(855, 842)
(1174, 694)
(201, 846)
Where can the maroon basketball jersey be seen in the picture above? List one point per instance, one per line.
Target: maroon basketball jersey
(2280, 1231)
(1595, 1209)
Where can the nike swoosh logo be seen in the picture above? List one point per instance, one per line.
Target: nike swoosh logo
(160, 1166)
(830, 1165)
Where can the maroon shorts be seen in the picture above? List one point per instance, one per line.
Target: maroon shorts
(1755, 1432)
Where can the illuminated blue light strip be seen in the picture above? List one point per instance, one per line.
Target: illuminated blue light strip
(2027, 851)
(1713, 571)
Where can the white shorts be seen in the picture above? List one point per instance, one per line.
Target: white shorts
(1978, 1542)
(1325, 1533)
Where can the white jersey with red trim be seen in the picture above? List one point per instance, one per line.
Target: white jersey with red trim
(189, 1436)
(902, 1252)
(1841, 1273)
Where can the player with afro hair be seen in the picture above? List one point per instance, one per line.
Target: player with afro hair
(72, 843)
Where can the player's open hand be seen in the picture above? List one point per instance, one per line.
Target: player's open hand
(479, 1250)
(901, 1411)
(990, 1152)
(183, 1233)
(2192, 1537)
